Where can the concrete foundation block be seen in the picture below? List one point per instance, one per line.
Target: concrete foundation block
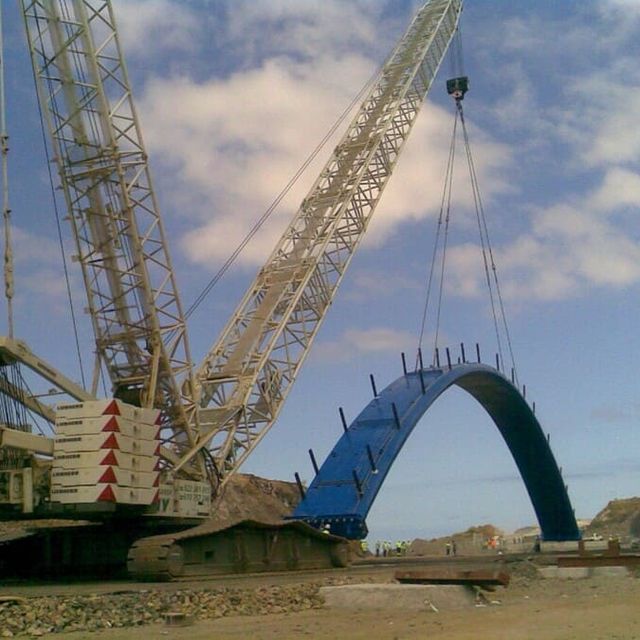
(610, 572)
(568, 573)
(414, 597)
(552, 546)
(578, 573)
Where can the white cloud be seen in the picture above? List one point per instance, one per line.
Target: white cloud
(356, 342)
(620, 188)
(149, 26)
(233, 143)
(38, 272)
(366, 283)
(310, 28)
(577, 128)
(601, 123)
(228, 144)
(568, 250)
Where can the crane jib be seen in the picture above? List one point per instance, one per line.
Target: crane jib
(248, 373)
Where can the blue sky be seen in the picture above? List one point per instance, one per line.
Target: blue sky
(234, 95)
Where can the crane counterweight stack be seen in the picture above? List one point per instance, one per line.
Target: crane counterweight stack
(182, 431)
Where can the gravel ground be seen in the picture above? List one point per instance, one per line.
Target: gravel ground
(257, 607)
(42, 615)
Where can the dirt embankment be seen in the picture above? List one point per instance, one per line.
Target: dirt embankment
(469, 542)
(249, 497)
(619, 519)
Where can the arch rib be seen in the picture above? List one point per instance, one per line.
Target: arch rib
(348, 482)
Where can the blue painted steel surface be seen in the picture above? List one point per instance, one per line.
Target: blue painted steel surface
(347, 483)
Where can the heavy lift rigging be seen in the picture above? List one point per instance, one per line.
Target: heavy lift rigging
(209, 418)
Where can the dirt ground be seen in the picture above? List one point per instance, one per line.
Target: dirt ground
(589, 609)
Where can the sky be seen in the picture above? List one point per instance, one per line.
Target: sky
(234, 95)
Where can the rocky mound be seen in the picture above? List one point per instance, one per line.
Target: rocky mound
(249, 497)
(620, 518)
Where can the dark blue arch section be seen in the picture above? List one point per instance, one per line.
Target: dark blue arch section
(348, 482)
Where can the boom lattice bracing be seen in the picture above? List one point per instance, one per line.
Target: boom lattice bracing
(246, 376)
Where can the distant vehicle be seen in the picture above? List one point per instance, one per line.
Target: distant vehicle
(593, 537)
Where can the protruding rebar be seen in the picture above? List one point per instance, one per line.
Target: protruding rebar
(300, 486)
(396, 417)
(513, 376)
(464, 357)
(420, 358)
(524, 391)
(404, 363)
(448, 359)
(498, 362)
(422, 385)
(314, 464)
(372, 462)
(533, 407)
(373, 385)
(478, 352)
(437, 357)
(343, 419)
(357, 483)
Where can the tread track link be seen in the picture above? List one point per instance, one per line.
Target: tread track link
(248, 546)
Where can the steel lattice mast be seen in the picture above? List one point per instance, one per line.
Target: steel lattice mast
(86, 100)
(245, 378)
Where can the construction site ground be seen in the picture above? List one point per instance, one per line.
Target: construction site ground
(530, 607)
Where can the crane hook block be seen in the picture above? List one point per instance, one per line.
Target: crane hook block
(457, 87)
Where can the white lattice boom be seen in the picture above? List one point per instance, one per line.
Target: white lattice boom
(132, 297)
(245, 378)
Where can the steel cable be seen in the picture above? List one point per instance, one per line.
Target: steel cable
(487, 253)
(55, 202)
(273, 206)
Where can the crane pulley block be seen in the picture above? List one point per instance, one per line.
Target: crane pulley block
(457, 87)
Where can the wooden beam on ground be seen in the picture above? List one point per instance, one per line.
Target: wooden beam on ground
(474, 577)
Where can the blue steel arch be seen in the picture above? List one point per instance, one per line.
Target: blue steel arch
(348, 482)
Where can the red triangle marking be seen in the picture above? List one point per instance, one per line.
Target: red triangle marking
(112, 409)
(158, 467)
(157, 482)
(112, 425)
(156, 498)
(107, 495)
(157, 436)
(110, 459)
(157, 451)
(159, 419)
(111, 442)
(109, 476)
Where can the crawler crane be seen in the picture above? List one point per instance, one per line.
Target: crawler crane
(172, 434)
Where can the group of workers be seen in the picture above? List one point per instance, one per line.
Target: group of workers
(384, 548)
